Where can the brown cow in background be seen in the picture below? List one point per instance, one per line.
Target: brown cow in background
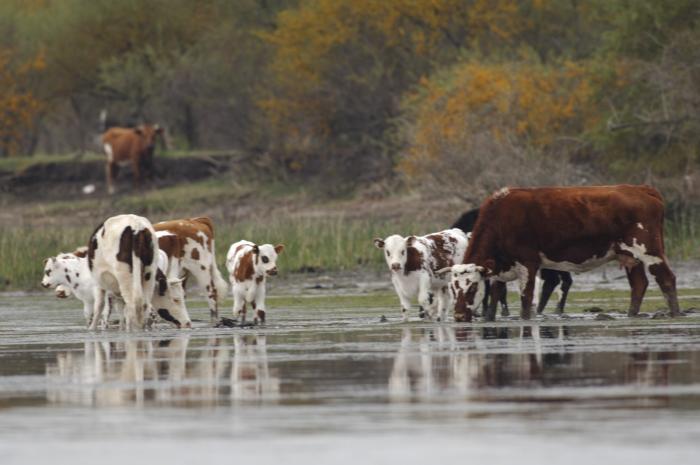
(130, 145)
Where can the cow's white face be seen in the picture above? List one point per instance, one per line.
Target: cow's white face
(171, 305)
(468, 286)
(265, 259)
(395, 251)
(53, 270)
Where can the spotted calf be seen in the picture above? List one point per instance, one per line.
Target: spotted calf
(189, 244)
(70, 274)
(413, 261)
(249, 265)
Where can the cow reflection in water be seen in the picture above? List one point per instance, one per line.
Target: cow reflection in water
(453, 360)
(167, 372)
(471, 362)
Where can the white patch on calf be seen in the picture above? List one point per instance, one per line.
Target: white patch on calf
(640, 225)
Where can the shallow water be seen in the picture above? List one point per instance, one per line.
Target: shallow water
(337, 386)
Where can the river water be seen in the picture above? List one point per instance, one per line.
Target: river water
(337, 386)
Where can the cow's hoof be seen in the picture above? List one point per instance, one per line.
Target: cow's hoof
(383, 319)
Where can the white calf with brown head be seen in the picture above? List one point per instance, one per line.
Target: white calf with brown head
(413, 262)
(249, 265)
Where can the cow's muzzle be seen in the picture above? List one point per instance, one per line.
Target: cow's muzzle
(272, 272)
(395, 267)
(45, 285)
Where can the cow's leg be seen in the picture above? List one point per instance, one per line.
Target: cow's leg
(443, 301)
(403, 298)
(648, 248)
(526, 278)
(503, 299)
(637, 278)
(485, 300)
(136, 167)
(238, 303)
(111, 173)
(425, 295)
(88, 305)
(667, 282)
(259, 305)
(495, 288)
(98, 303)
(566, 282)
(550, 280)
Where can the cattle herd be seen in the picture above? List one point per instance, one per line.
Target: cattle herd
(141, 270)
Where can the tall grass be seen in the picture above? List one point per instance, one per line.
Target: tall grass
(682, 236)
(310, 244)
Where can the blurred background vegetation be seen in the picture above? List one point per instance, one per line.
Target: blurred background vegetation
(442, 97)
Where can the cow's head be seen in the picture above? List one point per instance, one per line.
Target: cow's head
(468, 286)
(265, 259)
(149, 135)
(395, 250)
(53, 272)
(169, 301)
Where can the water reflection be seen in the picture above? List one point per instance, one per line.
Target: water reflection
(169, 371)
(471, 362)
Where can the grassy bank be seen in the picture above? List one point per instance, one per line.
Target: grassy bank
(310, 244)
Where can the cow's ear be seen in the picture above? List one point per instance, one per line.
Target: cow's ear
(46, 260)
(279, 248)
(441, 273)
(410, 240)
(379, 243)
(256, 250)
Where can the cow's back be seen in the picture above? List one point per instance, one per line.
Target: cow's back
(553, 218)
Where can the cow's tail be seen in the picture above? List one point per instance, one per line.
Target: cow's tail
(220, 284)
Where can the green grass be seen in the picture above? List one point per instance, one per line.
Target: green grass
(325, 244)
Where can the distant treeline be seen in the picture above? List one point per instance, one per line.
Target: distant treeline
(460, 96)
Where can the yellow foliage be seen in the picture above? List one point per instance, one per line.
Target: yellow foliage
(531, 104)
(306, 40)
(18, 106)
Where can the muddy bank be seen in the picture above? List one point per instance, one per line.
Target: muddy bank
(68, 178)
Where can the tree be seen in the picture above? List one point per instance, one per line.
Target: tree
(19, 107)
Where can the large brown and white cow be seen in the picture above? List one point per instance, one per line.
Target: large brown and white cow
(413, 261)
(122, 257)
(189, 244)
(130, 146)
(572, 229)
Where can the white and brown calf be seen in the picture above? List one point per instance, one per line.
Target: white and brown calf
(249, 265)
(122, 255)
(69, 274)
(189, 244)
(413, 262)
